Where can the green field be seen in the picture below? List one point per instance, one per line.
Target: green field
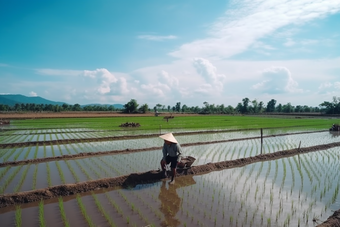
(225, 122)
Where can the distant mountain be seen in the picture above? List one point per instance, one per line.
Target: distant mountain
(11, 100)
(116, 106)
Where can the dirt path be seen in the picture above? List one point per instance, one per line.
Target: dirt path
(133, 179)
(124, 151)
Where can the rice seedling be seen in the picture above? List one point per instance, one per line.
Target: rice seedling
(4, 171)
(102, 210)
(18, 153)
(9, 154)
(114, 204)
(45, 153)
(34, 182)
(9, 179)
(18, 217)
(61, 174)
(22, 178)
(27, 152)
(49, 181)
(36, 151)
(83, 211)
(83, 170)
(62, 212)
(75, 176)
(42, 222)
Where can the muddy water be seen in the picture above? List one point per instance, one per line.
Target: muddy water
(93, 212)
(73, 213)
(15, 181)
(56, 150)
(30, 216)
(23, 153)
(82, 177)
(67, 173)
(12, 157)
(42, 176)
(27, 185)
(7, 219)
(117, 218)
(55, 176)
(52, 215)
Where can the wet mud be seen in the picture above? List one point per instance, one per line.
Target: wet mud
(152, 176)
(123, 151)
(332, 221)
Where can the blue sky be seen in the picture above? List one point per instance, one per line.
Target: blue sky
(171, 51)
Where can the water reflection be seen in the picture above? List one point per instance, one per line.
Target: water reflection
(335, 133)
(170, 201)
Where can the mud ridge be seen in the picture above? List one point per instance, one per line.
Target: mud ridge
(332, 221)
(133, 179)
(124, 151)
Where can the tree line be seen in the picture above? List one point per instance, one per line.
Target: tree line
(245, 107)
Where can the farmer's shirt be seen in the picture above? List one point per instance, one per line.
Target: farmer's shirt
(173, 150)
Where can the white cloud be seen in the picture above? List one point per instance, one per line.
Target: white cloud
(277, 80)
(261, 45)
(105, 78)
(214, 81)
(331, 89)
(159, 90)
(247, 21)
(337, 85)
(157, 37)
(164, 77)
(289, 42)
(309, 42)
(3, 65)
(58, 72)
(33, 94)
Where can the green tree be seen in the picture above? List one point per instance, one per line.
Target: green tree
(131, 107)
(288, 108)
(271, 105)
(178, 106)
(279, 108)
(17, 107)
(239, 108)
(331, 107)
(255, 106)
(184, 108)
(144, 108)
(76, 107)
(245, 105)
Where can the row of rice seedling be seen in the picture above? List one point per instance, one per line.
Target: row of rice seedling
(270, 145)
(258, 194)
(193, 138)
(144, 161)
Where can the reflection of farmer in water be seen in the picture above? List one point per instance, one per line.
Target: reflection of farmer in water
(170, 201)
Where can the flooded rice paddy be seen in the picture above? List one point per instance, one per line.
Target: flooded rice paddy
(301, 190)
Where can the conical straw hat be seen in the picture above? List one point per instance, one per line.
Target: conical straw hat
(169, 137)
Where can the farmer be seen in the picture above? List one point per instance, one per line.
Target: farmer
(171, 154)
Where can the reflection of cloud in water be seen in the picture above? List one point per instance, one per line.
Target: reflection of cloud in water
(170, 201)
